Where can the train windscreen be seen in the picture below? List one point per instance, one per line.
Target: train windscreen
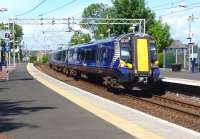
(153, 52)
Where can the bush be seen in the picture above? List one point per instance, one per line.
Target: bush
(32, 59)
(45, 59)
(160, 59)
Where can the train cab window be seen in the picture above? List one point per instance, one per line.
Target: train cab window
(125, 52)
(153, 52)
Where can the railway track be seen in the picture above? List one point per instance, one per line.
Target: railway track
(174, 105)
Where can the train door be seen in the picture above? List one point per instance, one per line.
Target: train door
(98, 56)
(102, 53)
(66, 58)
(126, 67)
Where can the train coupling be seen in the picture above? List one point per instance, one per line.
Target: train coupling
(143, 80)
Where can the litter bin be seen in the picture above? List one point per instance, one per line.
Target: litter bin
(193, 65)
(176, 67)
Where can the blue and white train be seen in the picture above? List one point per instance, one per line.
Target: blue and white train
(128, 60)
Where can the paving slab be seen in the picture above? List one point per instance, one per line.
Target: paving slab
(136, 123)
(29, 110)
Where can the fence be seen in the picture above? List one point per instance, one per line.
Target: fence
(183, 57)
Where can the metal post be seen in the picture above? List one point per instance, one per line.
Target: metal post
(140, 27)
(0, 51)
(189, 57)
(184, 59)
(144, 26)
(9, 60)
(13, 27)
(176, 57)
(164, 58)
(9, 48)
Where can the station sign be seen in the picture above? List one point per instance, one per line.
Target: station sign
(7, 47)
(5, 34)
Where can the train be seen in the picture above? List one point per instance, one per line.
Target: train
(124, 61)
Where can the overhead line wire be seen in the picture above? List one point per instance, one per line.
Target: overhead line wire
(197, 3)
(58, 8)
(163, 5)
(180, 10)
(32, 9)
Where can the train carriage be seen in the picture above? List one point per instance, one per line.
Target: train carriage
(128, 60)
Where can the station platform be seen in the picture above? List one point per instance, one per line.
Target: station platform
(30, 110)
(137, 124)
(186, 78)
(4, 72)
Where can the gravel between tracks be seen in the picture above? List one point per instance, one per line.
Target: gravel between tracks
(128, 99)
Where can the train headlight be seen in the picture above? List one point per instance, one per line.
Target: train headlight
(156, 63)
(122, 63)
(129, 66)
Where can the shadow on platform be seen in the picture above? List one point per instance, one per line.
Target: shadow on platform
(9, 110)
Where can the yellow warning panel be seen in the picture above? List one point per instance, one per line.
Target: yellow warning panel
(142, 55)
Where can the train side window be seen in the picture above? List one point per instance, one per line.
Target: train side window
(105, 55)
(75, 54)
(90, 54)
(82, 54)
(59, 55)
(63, 55)
(79, 55)
(71, 53)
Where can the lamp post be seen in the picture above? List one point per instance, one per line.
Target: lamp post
(13, 35)
(2, 10)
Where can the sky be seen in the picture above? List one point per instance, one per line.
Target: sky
(173, 12)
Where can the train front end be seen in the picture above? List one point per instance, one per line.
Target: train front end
(137, 63)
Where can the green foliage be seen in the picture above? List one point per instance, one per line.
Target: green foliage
(18, 32)
(2, 26)
(32, 59)
(79, 37)
(160, 59)
(132, 9)
(161, 34)
(97, 10)
(45, 59)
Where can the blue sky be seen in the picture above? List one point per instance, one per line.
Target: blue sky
(169, 11)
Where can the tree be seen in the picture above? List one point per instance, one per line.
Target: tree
(79, 37)
(18, 35)
(45, 59)
(32, 59)
(18, 31)
(161, 34)
(132, 9)
(97, 10)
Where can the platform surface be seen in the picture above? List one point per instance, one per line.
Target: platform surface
(134, 122)
(29, 110)
(186, 78)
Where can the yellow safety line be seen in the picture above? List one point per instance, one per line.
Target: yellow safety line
(117, 121)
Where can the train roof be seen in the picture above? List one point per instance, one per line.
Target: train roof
(107, 40)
